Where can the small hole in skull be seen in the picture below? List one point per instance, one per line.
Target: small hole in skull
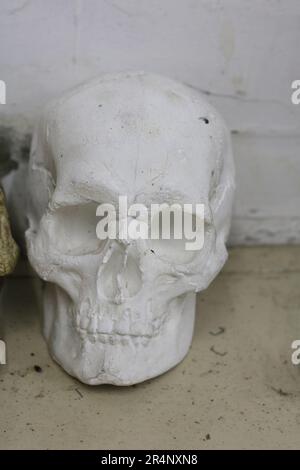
(204, 119)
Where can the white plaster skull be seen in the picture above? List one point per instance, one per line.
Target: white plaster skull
(117, 312)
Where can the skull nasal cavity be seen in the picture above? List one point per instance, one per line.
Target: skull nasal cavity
(120, 277)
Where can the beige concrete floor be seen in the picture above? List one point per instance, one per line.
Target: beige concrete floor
(235, 389)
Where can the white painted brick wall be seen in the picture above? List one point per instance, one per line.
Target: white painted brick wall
(244, 53)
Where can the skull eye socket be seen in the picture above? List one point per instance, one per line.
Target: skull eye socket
(73, 229)
(173, 249)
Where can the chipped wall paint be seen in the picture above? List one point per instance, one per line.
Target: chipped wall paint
(241, 53)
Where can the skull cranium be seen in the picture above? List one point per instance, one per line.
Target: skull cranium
(114, 311)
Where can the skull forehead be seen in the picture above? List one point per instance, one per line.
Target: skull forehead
(133, 133)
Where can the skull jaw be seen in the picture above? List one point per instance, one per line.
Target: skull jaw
(117, 361)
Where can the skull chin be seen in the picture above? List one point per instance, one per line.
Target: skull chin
(101, 357)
